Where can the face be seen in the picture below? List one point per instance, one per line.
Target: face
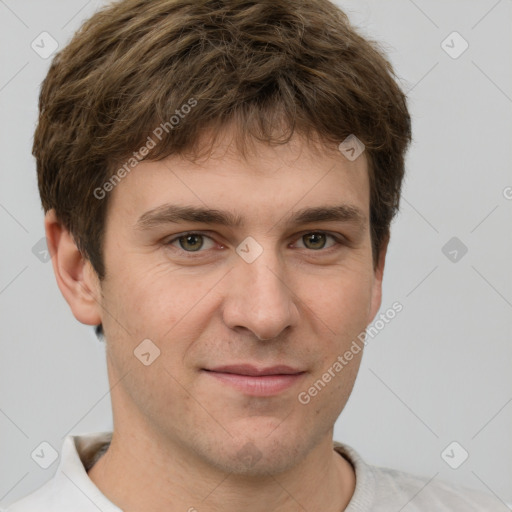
(273, 289)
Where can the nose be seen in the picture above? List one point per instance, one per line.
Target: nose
(260, 299)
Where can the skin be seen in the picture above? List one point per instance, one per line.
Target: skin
(180, 435)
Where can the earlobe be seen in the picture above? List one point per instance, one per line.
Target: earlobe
(75, 277)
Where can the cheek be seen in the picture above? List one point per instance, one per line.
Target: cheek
(154, 300)
(170, 308)
(339, 301)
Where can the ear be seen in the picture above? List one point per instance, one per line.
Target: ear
(377, 282)
(75, 276)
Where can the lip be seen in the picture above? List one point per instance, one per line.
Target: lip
(257, 381)
(248, 369)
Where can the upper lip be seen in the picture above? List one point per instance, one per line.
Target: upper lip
(247, 369)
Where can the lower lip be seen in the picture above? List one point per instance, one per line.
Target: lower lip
(264, 385)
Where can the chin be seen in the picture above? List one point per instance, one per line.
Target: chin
(259, 457)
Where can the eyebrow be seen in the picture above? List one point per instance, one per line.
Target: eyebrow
(171, 213)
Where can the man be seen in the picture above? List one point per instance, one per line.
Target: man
(219, 179)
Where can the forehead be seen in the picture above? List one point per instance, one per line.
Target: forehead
(267, 183)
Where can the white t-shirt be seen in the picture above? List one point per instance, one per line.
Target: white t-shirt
(377, 489)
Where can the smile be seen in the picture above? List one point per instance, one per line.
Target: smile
(257, 385)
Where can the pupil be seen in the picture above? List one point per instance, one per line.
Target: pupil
(188, 238)
(321, 239)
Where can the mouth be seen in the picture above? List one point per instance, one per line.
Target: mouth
(257, 381)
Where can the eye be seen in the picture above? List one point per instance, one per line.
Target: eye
(195, 242)
(190, 242)
(316, 240)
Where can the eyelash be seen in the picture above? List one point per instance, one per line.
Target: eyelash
(339, 241)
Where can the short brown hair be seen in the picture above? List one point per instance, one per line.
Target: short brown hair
(259, 63)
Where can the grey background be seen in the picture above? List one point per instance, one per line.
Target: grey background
(439, 372)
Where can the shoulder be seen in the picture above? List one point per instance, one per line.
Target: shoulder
(382, 489)
(70, 488)
(429, 494)
(38, 500)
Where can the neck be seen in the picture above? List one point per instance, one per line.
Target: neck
(136, 473)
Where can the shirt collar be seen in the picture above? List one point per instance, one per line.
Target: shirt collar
(363, 498)
(71, 488)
